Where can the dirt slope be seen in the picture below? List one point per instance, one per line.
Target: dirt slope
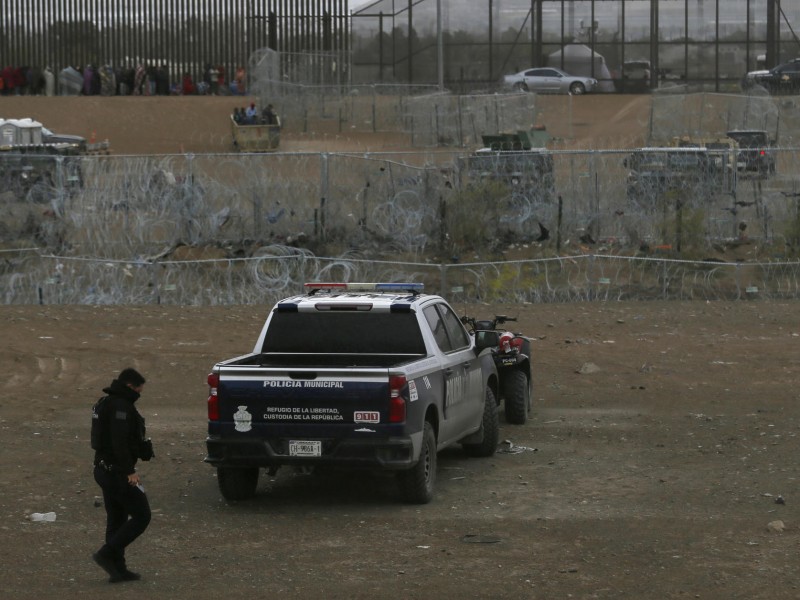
(169, 125)
(655, 476)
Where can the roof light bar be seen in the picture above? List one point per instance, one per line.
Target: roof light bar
(368, 287)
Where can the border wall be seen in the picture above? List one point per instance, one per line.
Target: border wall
(185, 36)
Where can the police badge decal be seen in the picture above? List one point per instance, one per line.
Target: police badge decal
(242, 419)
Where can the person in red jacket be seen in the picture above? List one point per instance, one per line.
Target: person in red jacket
(187, 85)
(221, 79)
(8, 81)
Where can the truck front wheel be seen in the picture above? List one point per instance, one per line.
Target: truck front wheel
(417, 483)
(237, 483)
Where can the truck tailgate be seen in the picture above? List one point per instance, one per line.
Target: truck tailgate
(253, 399)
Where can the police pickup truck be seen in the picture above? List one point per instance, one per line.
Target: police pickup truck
(353, 375)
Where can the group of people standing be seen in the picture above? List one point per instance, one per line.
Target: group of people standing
(214, 82)
(251, 116)
(24, 81)
(106, 80)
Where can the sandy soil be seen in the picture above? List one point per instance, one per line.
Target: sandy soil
(169, 125)
(657, 476)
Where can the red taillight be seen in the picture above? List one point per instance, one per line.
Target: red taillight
(213, 399)
(505, 341)
(763, 153)
(397, 403)
(517, 342)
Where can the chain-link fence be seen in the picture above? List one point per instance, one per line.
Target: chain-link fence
(230, 228)
(430, 119)
(684, 201)
(310, 93)
(273, 272)
(707, 115)
(446, 202)
(632, 196)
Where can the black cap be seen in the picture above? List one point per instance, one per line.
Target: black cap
(131, 376)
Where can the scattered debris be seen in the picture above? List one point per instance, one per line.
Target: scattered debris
(508, 447)
(588, 368)
(47, 517)
(776, 526)
(472, 538)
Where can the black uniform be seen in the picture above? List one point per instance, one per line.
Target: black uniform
(118, 436)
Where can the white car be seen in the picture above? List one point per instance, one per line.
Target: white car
(550, 80)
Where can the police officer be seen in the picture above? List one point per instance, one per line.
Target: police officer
(119, 440)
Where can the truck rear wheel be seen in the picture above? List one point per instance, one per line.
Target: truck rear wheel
(237, 483)
(517, 394)
(417, 483)
(490, 426)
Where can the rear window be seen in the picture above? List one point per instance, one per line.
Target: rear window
(344, 333)
(750, 139)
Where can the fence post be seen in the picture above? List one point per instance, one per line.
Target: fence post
(154, 281)
(590, 277)
(188, 200)
(436, 125)
(411, 122)
(738, 281)
(443, 278)
(374, 109)
(61, 180)
(664, 284)
(442, 223)
(256, 214)
(323, 186)
(460, 122)
(560, 217)
(496, 113)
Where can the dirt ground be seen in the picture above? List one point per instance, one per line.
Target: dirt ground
(668, 471)
(171, 125)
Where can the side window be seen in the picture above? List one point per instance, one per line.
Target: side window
(438, 328)
(458, 335)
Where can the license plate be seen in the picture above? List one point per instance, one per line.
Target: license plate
(305, 448)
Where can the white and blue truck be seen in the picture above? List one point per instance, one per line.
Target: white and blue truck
(379, 376)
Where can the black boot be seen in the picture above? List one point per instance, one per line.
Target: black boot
(130, 575)
(125, 574)
(108, 565)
